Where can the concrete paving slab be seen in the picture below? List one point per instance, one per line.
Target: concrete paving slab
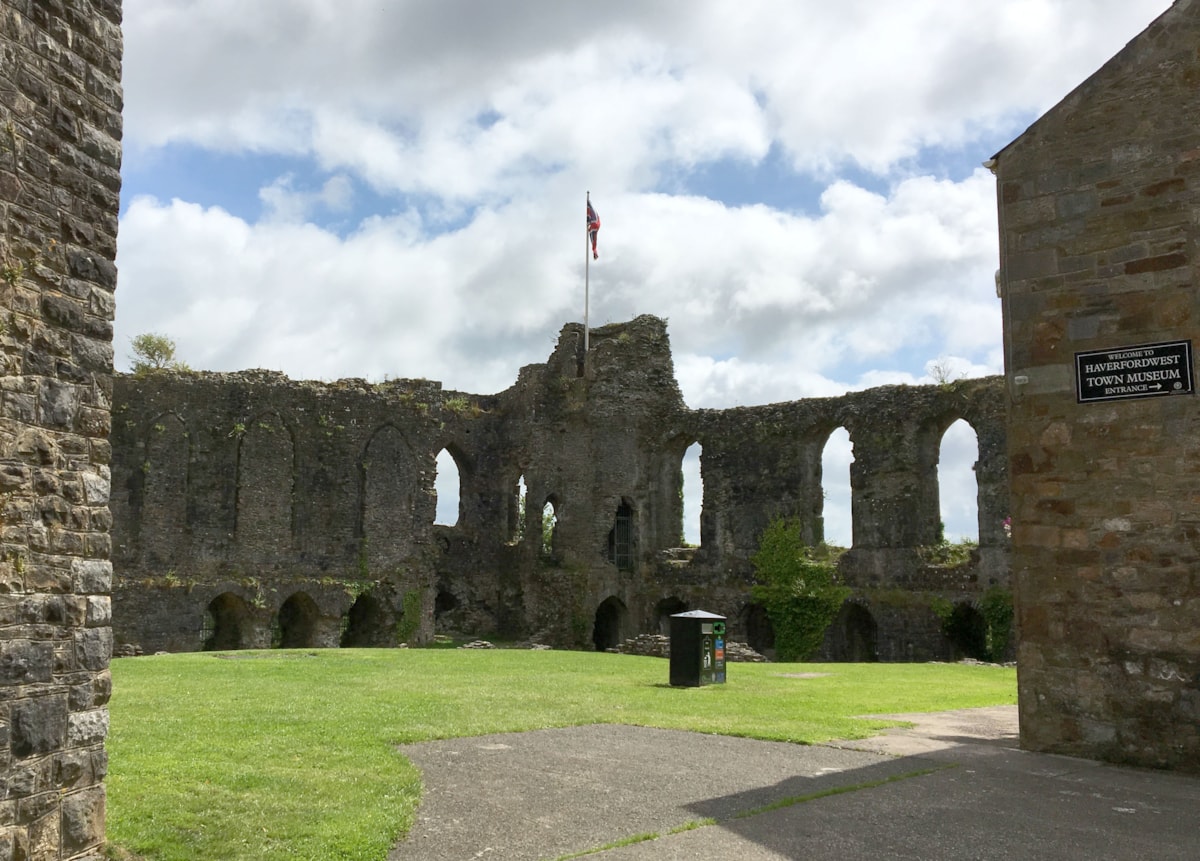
(952, 787)
(535, 795)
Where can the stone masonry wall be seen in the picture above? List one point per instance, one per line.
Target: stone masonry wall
(1100, 243)
(60, 128)
(251, 510)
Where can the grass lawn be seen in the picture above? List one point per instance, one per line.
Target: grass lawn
(253, 756)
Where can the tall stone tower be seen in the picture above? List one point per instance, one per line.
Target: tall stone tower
(60, 182)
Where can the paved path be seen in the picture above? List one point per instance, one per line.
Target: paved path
(953, 787)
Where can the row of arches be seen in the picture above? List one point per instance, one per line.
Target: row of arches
(958, 453)
(230, 623)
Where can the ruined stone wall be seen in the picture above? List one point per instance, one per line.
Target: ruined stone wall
(60, 127)
(1098, 209)
(237, 496)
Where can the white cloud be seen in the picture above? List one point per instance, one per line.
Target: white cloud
(474, 128)
(621, 88)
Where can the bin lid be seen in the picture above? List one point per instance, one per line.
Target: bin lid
(696, 614)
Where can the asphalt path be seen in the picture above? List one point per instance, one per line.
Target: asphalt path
(952, 787)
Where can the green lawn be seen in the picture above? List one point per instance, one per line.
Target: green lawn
(291, 754)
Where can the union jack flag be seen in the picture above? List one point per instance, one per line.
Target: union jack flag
(593, 227)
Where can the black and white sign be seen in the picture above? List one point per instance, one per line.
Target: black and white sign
(1144, 371)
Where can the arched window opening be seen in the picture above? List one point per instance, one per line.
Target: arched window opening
(620, 538)
(664, 610)
(447, 484)
(958, 487)
(366, 624)
(226, 624)
(609, 628)
(693, 494)
(836, 511)
(549, 538)
(298, 622)
(516, 512)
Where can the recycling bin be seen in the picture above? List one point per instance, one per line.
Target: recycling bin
(697, 649)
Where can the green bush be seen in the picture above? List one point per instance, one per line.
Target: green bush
(798, 587)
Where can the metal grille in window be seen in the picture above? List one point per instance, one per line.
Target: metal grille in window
(622, 546)
(208, 627)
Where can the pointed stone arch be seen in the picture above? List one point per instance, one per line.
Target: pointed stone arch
(227, 624)
(266, 470)
(518, 515)
(611, 624)
(165, 482)
(837, 495)
(957, 481)
(389, 482)
(368, 623)
(548, 539)
(622, 538)
(448, 487)
(298, 621)
(692, 494)
(664, 610)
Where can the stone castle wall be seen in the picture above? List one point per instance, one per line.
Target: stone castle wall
(60, 131)
(1100, 246)
(301, 513)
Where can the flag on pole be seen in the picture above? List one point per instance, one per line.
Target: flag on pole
(593, 227)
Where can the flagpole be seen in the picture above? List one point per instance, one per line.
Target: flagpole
(586, 285)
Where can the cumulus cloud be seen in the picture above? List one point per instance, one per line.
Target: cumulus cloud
(425, 214)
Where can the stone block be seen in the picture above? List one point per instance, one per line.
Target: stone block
(87, 728)
(25, 662)
(92, 576)
(38, 725)
(93, 648)
(83, 820)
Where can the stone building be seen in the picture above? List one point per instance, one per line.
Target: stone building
(250, 510)
(1099, 207)
(60, 156)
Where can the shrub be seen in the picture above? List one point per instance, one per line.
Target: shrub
(798, 587)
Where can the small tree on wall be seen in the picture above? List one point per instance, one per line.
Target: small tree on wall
(153, 352)
(798, 587)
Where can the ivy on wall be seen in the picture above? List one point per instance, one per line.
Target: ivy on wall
(799, 588)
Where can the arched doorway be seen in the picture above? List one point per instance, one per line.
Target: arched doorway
(859, 631)
(664, 610)
(367, 624)
(226, 624)
(608, 631)
(298, 622)
(760, 635)
(967, 633)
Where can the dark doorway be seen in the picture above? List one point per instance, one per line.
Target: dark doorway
(664, 610)
(367, 624)
(760, 635)
(967, 633)
(610, 622)
(859, 628)
(298, 622)
(226, 624)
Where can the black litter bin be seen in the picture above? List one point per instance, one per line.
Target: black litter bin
(697, 649)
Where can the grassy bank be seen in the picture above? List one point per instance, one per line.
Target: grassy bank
(291, 754)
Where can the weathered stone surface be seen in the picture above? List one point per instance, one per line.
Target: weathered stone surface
(60, 111)
(249, 503)
(1105, 508)
(38, 725)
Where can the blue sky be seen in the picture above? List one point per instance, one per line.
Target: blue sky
(344, 188)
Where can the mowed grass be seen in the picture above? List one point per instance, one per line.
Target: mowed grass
(292, 754)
